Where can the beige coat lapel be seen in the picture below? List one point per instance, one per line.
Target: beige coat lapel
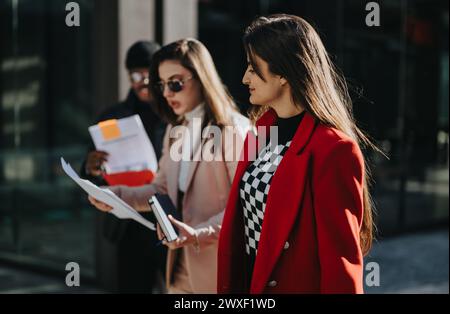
(172, 169)
(197, 157)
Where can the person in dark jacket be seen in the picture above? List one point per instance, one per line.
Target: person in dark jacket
(129, 261)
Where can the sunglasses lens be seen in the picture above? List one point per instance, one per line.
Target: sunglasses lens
(137, 77)
(175, 86)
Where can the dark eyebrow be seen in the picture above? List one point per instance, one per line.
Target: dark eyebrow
(175, 76)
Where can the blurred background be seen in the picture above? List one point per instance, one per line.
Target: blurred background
(55, 79)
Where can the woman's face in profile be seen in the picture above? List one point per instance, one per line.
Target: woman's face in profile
(178, 86)
(262, 92)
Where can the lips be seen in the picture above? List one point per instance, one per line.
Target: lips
(143, 90)
(174, 104)
(251, 90)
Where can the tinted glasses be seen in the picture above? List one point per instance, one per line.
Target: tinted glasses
(138, 77)
(175, 85)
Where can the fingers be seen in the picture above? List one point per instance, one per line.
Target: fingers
(176, 222)
(99, 205)
(159, 232)
(173, 245)
(99, 154)
(183, 228)
(184, 238)
(94, 161)
(92, 200)
(96, 158)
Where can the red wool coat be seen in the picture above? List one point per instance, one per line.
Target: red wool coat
(310, 234)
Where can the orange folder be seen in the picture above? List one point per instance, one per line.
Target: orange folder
(130, 178)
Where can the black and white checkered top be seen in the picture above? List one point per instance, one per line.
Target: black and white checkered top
(254, 189)
(255, 183)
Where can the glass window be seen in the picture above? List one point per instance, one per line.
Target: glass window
(46, 105)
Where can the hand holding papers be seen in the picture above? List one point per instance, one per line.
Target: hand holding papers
(120, 209)
(131, 157)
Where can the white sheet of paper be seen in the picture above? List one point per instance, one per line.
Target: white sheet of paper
(120, 209)
(132, 151)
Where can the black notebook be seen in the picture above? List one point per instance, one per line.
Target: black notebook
(162, 206)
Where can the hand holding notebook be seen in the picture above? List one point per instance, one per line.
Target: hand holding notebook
(173, 231)
(162, 206)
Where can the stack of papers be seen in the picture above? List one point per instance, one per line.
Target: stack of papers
(120, 209)
(127, 143)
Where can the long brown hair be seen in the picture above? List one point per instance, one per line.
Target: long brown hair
(294, 50)
(194, 56)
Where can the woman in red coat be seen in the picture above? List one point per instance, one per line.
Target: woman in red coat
(298, 218)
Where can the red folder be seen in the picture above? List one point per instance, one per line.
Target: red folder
(130, 178)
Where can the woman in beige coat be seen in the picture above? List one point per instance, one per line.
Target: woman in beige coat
(200, 152)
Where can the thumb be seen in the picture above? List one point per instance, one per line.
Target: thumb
(175, 221)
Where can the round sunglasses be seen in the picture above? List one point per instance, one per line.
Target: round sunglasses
(175, 85)
(138, 77)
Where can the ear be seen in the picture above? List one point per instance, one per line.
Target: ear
(283, 81)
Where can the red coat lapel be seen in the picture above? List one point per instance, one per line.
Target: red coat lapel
(250, 148)
(281, 210)
(282, 204)
(232, 242)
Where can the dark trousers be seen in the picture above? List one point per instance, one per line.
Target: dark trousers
(132, 262)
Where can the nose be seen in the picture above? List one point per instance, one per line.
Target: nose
(167, 92)
(245, 80)
(143, 84)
